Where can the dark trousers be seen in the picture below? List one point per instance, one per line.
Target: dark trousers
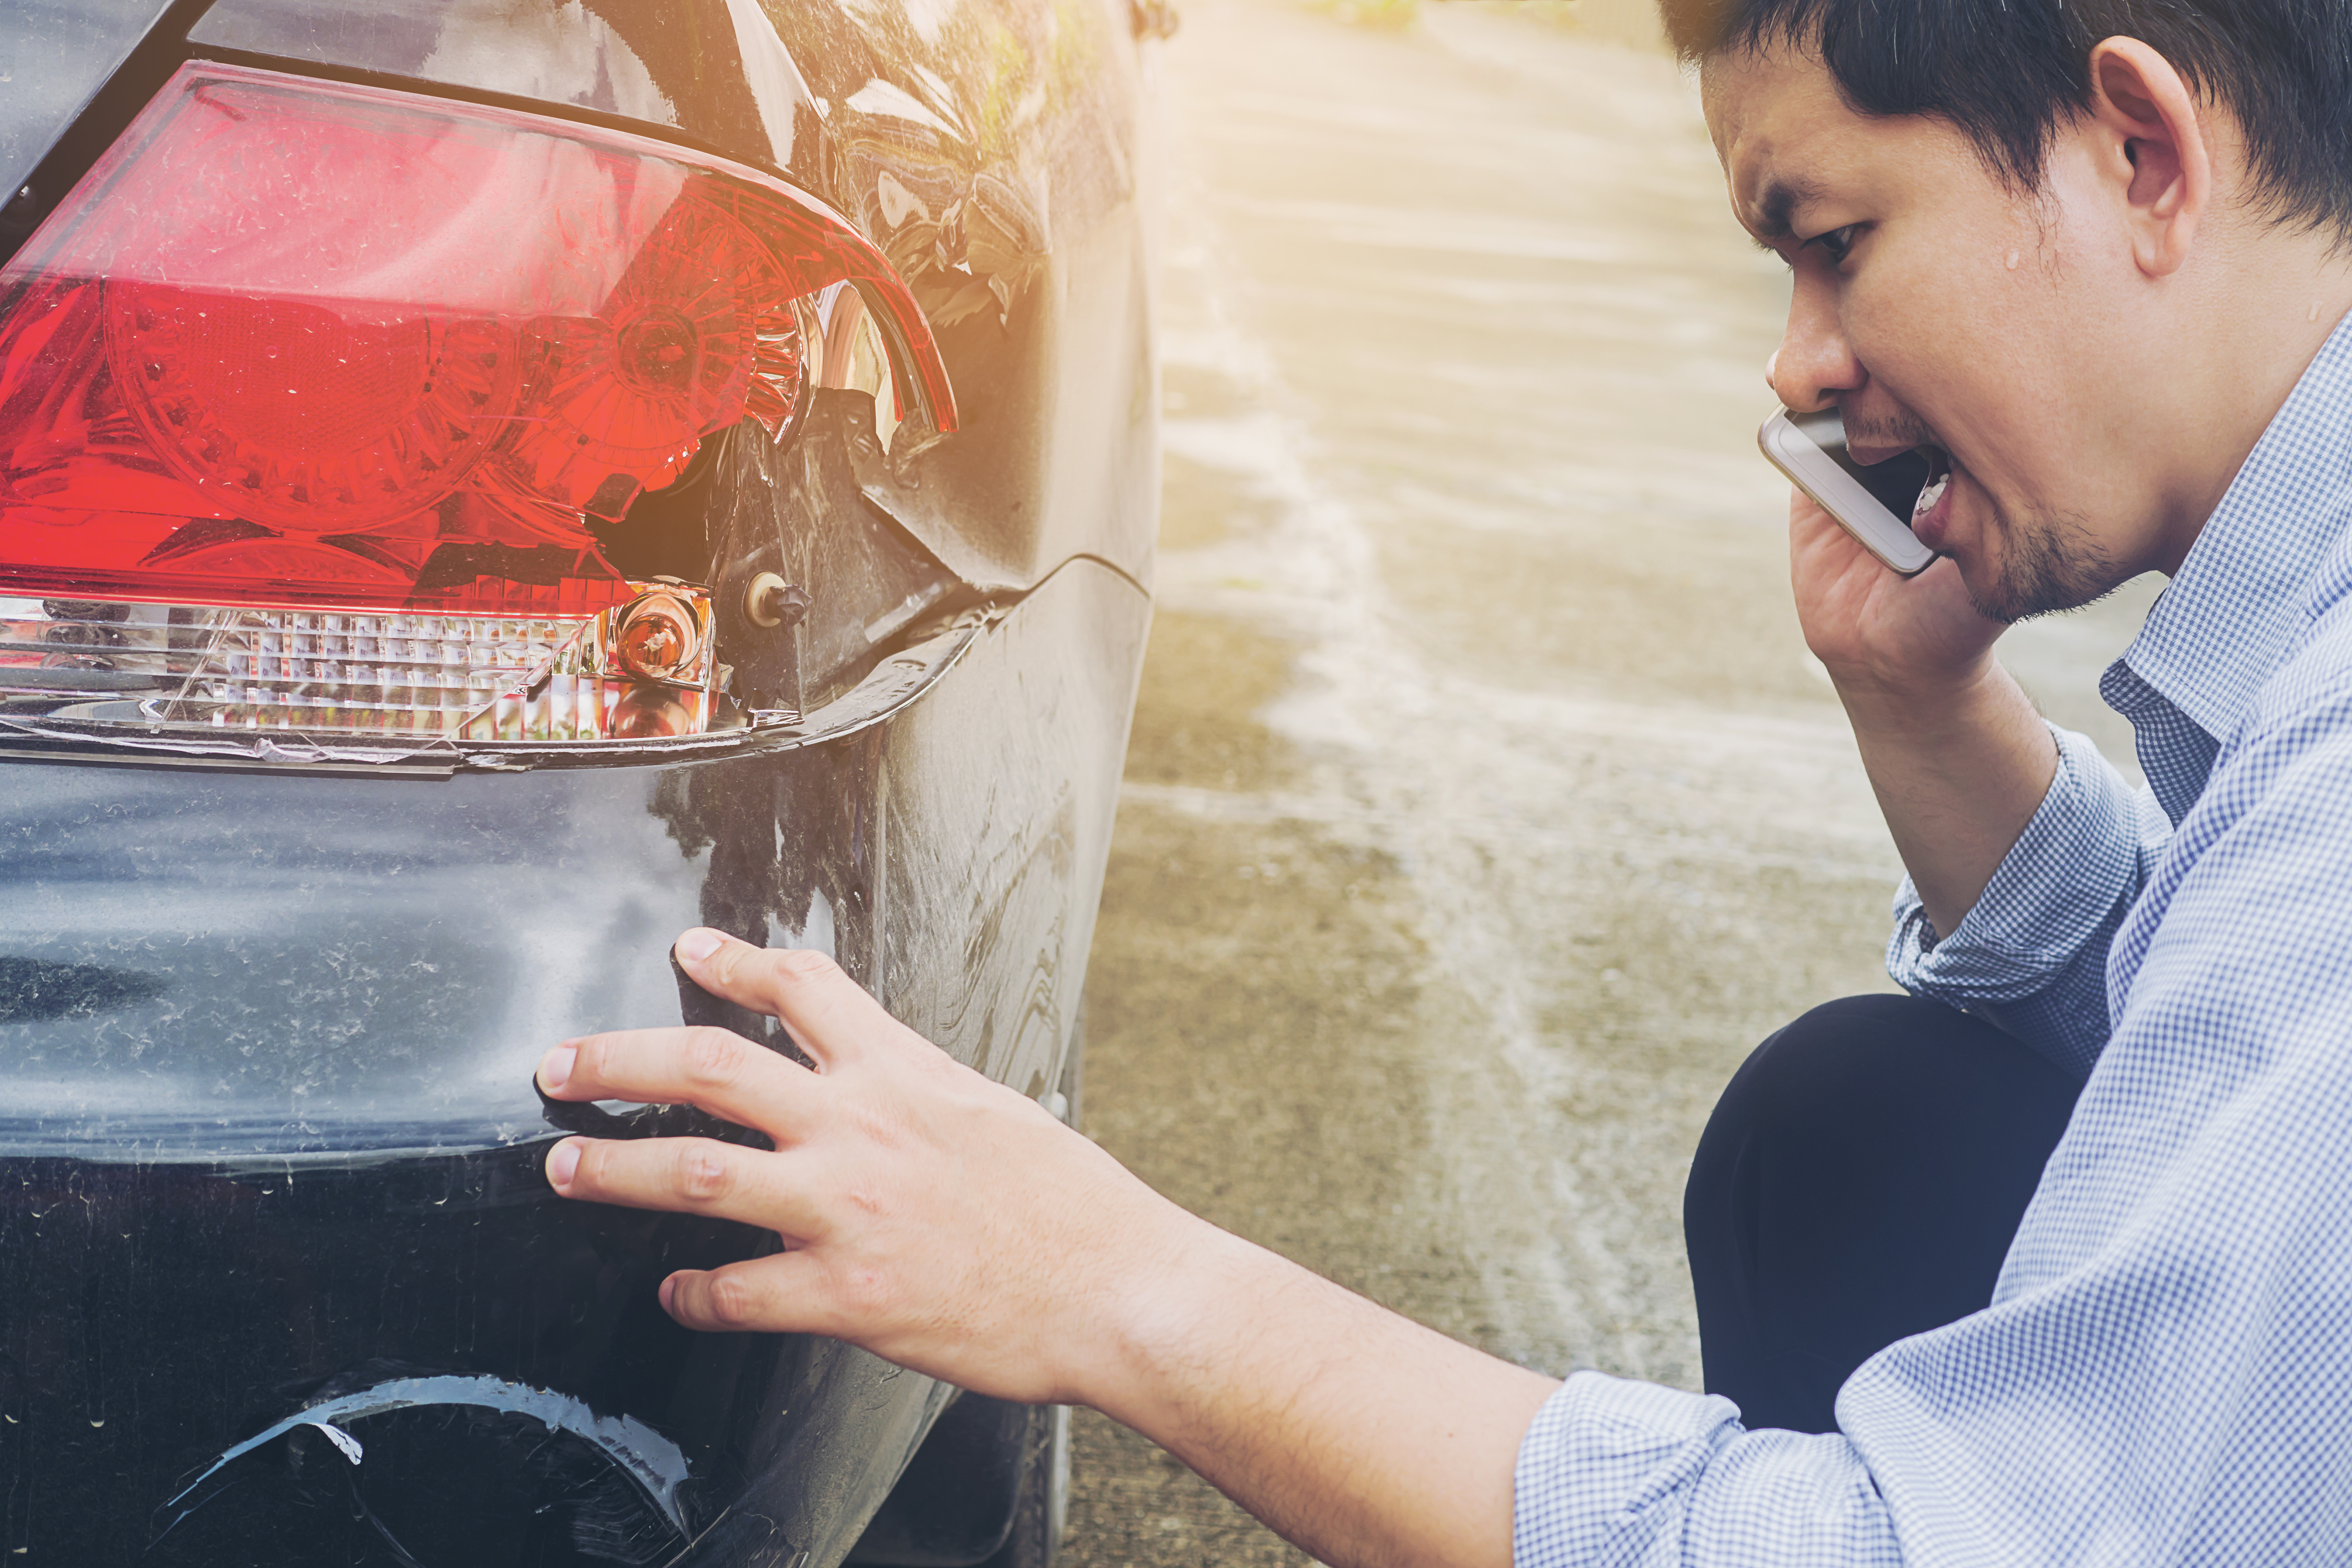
(1858, 1182)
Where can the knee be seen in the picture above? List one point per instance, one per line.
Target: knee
(1785, 1122)
(1813, 1067)
(1864, 1076)
(1837, 1076)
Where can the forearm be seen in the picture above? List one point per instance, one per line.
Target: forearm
(1959, 770)
(1362, 1436)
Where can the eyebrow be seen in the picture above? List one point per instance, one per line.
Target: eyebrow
(1779, 202)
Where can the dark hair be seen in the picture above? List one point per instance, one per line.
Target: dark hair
(2010, 73)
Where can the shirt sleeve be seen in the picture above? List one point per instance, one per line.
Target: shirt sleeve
(1631, 1475)
(2031, 957)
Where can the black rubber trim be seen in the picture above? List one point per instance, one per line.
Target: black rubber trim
(318, 70)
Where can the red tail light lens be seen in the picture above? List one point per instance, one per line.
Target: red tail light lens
(310, 346)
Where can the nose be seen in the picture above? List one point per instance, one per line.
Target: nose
(1814, 365)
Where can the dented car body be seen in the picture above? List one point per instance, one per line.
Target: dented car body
(785, 570)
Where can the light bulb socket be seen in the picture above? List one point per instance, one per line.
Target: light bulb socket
(770, 602)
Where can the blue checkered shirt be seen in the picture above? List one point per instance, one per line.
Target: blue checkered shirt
(2165, 1373)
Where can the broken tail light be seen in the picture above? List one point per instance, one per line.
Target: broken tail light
(312, 397)
(641, 670)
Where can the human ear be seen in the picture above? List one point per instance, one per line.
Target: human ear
(2145, 117)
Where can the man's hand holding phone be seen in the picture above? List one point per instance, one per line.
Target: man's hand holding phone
(1877, 606)
(1908, 639)
(1956, 755)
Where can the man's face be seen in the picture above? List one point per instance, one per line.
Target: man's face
(1937, 307)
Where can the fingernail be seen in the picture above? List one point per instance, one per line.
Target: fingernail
(667, 1286)
(699, 944)
(555, 1068)
(562, 1162)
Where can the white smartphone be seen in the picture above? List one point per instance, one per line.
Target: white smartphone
(1871, 503)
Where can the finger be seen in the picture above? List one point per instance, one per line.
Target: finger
(830, 1014)
(780, 1294)
(683, 1175)
(716, 1070)
(1808, 519)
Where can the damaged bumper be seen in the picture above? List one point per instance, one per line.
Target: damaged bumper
(280, 1279)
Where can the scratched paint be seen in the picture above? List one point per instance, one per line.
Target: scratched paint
(650, 1459)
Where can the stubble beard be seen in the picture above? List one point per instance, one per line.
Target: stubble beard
(2047, 564)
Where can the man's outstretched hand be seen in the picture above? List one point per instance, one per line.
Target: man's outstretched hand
(937, 1218)
(952, 1225)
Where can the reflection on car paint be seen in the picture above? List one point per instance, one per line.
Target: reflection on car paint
(59, 52)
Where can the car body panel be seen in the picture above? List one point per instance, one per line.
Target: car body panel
(55, 55)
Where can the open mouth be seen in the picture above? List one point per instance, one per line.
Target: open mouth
(1928, 511)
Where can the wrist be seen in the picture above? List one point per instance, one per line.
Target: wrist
(1354, 1433)
(1107, 1291)
(1945, 723)
(1156, 1297)
(1195, 1305)
(1912, 689)
(1959, 769)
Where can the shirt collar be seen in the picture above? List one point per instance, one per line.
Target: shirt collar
(2237, 602)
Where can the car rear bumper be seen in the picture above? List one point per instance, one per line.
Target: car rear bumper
(269, 1149)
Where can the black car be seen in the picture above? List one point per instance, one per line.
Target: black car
(485, 485)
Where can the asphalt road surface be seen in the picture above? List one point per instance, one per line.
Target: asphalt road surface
(1484, 808)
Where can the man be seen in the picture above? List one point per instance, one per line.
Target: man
(2093, 254)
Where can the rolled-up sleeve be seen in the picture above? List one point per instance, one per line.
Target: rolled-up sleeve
(2031, 957)
(1621, 1474)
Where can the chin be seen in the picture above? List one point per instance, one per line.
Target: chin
(2040, 565)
